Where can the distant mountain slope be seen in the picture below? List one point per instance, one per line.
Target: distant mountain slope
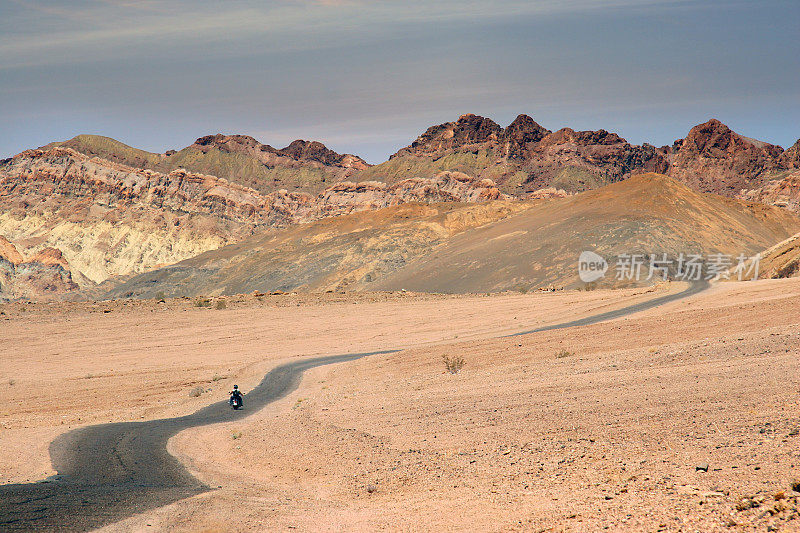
(303, 166)
(713, 158)
(521, 158)
(110, 219)
(342, 253)
(452, 248)
(646, 214)
(111, 150)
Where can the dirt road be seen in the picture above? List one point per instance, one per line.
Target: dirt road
(109, 472)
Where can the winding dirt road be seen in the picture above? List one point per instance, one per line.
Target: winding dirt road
(110, 472)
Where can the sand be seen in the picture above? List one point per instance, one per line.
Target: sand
(595, 427)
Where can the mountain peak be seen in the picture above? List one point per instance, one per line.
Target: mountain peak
(521, 131)
(713, 135)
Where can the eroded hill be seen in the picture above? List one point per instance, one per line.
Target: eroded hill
(491, 247)
(109, 219)
(342, 253)
(648, 214)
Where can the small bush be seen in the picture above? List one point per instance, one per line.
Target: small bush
(564, 353)
(453, 364)
(197, 391)
(12, 382)
(221, 304)
(202, 302)
(160, 295)
(237, 435)
(218, 378)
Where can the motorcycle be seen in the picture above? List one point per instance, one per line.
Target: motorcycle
(235, 401)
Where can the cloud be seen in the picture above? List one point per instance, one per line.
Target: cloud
(103, 30)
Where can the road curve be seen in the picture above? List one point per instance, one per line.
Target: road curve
(694, 288)
(110, 472)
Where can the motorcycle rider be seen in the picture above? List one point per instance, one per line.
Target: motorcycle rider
(236, 393)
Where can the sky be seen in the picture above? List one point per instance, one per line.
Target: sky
(369, 77)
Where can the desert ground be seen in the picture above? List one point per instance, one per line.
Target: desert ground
(681, 418)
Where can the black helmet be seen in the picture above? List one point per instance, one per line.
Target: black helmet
(236, 386)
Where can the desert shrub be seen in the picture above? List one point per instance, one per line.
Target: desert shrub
(202, 302)
(453, 364)
(218, 378)
(221, 304)
(197, 391)
(12, 382)
(237, 435)
(160, 295)
(564, 353)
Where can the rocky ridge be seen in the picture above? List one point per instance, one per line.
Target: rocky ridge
(525, 157)
(110, 219)
(304, 166)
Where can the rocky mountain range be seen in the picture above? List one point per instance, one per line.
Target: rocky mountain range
(525, 157)
(112, 210)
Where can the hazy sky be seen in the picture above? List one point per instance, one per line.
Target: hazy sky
(368, 77)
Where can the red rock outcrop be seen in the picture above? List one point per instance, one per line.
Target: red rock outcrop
(468, 130)
(45, 275)
(520, 134)
(605, 155)
(713, 158)
(9, 253)
(791, 157)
